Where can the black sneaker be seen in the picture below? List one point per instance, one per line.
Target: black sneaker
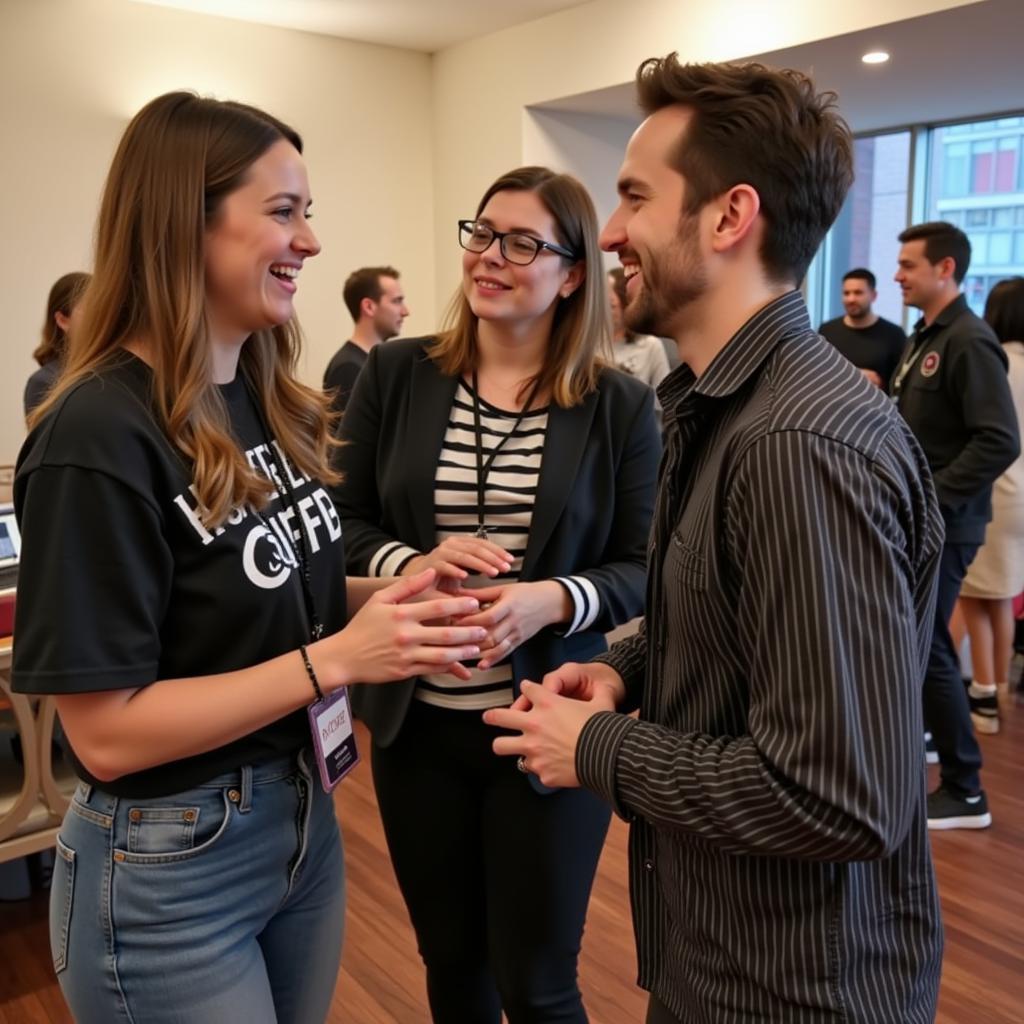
(984, 713)
(931, 753)
(947, 810)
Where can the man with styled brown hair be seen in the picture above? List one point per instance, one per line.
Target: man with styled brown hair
(952, 390)
(374, 299)
(774, 779)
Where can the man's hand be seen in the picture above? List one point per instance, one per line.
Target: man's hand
(550, 731)
(592, 680)
(872, 377)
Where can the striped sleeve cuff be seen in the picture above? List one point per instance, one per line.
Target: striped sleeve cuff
(586, 602)
(597, 751)
(390, 559)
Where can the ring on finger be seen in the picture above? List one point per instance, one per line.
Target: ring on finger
(521, 765)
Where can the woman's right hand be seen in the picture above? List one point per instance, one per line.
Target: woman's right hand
(389, 639)
(455, 557)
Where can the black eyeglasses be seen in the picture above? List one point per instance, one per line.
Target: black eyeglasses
(515, 246)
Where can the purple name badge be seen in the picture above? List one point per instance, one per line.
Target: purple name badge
(334, 742)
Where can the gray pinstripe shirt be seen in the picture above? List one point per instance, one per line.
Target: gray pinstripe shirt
(779, 858)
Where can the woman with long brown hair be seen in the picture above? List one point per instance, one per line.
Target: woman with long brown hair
(182, 592)
(63, 310)
(507, 455)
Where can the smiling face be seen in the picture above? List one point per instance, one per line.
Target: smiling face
(858, 296)
(256, 243)
(504, 292)
(921, 281)
(657, 242)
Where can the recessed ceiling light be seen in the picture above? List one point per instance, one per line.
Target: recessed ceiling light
(875, 57)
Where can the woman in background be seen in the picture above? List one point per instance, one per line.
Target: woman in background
(505, 455)
(63, 310)
(996, 576)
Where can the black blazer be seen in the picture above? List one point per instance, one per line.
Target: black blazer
(595, 499)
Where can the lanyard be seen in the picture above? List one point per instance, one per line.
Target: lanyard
(316, 627)
(484, 468)
(906, 366)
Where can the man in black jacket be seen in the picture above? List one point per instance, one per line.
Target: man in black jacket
(951, 388)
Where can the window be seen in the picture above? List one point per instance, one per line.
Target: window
(993, 204)
(974, 178)
(874, 213)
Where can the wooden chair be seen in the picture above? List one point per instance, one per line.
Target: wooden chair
(32, 798)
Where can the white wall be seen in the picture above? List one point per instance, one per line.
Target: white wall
(483, 87)
(72, 72)
(588, 146)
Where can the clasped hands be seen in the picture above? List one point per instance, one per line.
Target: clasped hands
(510, 613)
(548, 716)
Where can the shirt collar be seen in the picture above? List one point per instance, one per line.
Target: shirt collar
(946, 317)
(745, 351)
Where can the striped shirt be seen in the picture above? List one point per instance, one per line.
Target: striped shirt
(779, 859)
(511, 486)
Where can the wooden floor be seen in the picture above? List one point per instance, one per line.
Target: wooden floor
(980, 880)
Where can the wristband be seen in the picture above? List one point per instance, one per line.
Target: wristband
(309, 672)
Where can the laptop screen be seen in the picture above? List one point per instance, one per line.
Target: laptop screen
(10, 538)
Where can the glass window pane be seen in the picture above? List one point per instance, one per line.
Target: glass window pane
(1003, 218)
(1000, 247)
(1018, 247)
(1006, 165)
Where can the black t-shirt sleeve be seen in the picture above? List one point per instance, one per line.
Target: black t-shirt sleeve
(896, 341)
(341, 378)
(93, 584)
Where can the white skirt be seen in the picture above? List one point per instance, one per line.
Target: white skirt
(998, 569)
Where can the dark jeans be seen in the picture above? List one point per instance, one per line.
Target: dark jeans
(496, 877)
(947, 715)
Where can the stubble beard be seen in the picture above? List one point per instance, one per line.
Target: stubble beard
(672, 280)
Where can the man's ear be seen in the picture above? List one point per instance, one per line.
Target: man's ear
(947, 268)
(736, 214)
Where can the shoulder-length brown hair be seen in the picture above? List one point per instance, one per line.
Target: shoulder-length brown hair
(63, 298)
(581, 331)
(178, 159)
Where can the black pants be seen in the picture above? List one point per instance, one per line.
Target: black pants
(496, 876)
(947, 715)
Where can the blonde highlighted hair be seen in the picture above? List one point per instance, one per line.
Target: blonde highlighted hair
(178, 159)
(580, 342)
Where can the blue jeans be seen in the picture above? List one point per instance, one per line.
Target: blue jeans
(224, 903)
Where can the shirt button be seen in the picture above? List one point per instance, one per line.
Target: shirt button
(648, 865)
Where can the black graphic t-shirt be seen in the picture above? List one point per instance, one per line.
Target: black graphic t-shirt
(121, 585)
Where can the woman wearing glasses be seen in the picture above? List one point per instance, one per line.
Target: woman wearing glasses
(507, 456)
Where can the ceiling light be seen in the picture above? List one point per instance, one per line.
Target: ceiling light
(875, 57)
